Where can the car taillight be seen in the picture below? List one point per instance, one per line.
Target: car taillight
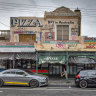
(77, 76)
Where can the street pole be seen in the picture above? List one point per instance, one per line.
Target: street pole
(67, 69)
(13, 60)
(36, 62)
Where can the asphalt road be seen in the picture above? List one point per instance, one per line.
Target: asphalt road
(46, 91)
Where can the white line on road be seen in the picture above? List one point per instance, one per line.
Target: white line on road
(1, 91)
(50, 89)
(59, 89)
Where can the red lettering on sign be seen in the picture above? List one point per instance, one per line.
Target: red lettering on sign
(90, 46)
(61, 45)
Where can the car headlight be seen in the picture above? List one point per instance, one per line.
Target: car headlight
(42, 79)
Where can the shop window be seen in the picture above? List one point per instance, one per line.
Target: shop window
(2, 64)
(62, 32)
(43, 66)
(25, 64)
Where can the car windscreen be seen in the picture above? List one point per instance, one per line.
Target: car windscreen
(29, 72)
(83, 73)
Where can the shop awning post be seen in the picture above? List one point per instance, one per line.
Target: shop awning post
(67, 69)
(36, 62)
(14, 61)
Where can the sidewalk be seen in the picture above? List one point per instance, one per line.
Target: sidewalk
(61, 82)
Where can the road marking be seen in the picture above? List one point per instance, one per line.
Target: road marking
(50, 89)
(1, 91)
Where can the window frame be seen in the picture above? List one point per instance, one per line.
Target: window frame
(62, 28)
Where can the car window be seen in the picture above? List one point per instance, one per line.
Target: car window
(7, 72)
(12, 72)
(83, 73)
(20, 72)
(92, 73)
(30, 72)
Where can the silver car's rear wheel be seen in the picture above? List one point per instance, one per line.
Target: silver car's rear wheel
(83, 84)
(34, 83)
(1, 82)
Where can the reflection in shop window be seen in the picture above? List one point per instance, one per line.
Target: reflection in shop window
(25, 64)
(2, 64)
(43, 66)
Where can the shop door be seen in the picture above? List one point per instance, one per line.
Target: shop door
(55, 69)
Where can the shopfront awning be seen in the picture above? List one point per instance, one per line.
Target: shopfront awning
(6, 56)
(12, 56)
(26, 56)
(52, 59)
(81, 60)
(19, 49)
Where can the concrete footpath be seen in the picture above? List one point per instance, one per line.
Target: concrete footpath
(61, 82)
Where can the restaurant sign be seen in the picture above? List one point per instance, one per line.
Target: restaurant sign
(52, 59)
(25, 22)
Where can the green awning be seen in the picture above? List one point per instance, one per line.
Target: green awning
(52, 59)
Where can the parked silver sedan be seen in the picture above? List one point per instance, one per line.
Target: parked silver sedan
(21, 77)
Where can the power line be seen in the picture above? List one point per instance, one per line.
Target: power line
(14, 7)
(4, 24)
(34, 6)
(24, 4)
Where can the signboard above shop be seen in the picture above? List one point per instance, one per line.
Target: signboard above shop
(17, 47)
(52, 59)
(19, 22)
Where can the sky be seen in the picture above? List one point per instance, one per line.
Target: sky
(15, 8)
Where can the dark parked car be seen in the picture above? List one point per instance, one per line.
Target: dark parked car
(85, 78)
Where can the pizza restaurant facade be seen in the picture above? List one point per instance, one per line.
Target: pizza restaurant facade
(56, 37)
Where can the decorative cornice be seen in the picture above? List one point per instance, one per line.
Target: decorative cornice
(62, 12)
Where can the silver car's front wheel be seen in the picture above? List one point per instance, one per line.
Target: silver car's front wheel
(34, 83)
(1, 82)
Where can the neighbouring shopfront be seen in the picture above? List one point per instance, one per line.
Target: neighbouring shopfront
(77, 63)
(17, 60)
(14, 55)
(53, 63)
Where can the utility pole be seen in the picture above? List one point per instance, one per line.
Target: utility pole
(36, 62)
(14, 60)
(67, 69)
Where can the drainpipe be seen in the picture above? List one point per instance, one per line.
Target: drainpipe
(36, 62)
(67, 69)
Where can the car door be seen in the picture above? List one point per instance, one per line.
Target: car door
(22, 77)
(9, 77)
(92, 77)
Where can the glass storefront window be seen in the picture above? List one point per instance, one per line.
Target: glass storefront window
(25, 64)
(2, 64)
